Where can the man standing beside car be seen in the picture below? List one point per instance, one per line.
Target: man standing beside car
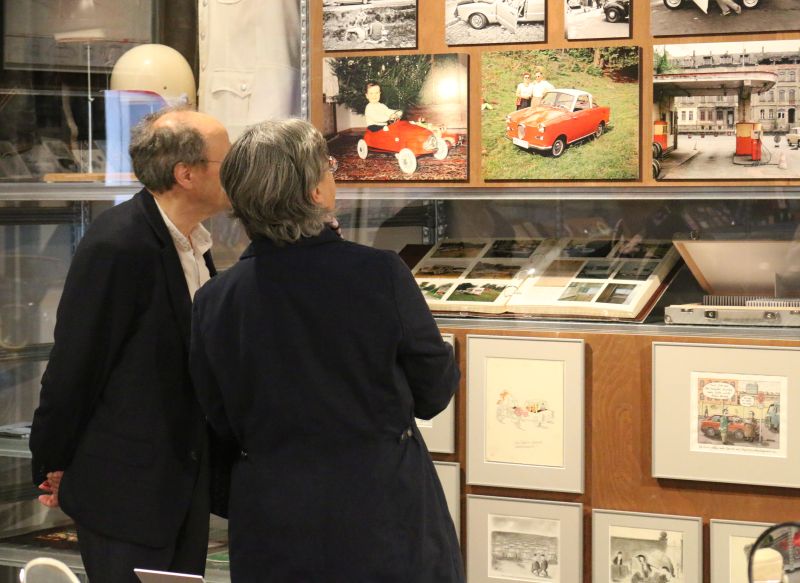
(119, 440)
(723, 427)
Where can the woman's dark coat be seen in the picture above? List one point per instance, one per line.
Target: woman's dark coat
(316, 357)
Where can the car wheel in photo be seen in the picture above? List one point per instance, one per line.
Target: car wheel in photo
(739, 434)
(558, 147)
(750, 4)
(710, 432)
(407, 161)
(600, 129)
(656, 168)
(613, 15)
(657, 150)
(441, 150)
(477, 21)
(362, 149)
(673, 4)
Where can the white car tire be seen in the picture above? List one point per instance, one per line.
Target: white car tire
(442, 149)
(362, 149)
(407, 161)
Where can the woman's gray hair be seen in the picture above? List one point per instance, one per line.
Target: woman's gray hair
(269, 175)
(155, 150)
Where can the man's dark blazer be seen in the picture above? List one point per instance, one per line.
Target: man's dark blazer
(117, 410)
(316, 357)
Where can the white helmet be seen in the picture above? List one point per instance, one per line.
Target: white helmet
(156, 68)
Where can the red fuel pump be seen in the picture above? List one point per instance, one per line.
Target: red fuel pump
(756, 146)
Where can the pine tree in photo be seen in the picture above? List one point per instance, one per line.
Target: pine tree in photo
(400, 77)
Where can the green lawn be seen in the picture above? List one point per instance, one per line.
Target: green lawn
(615, 156)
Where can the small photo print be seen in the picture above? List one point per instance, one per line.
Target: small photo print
(616, 293)
(738, 414)
(476, 292)
(482, 22)
(484, 270)
(365, 24)
(643, 555)
(459, 249)
(579, 291)
(639, 250)
(637, 270)
(687, 18)
(512, 249)
(443, 270)
(559, 273)
(582, 248)
(434, 290)
(598, 269)
(595, 19)
(524, 549)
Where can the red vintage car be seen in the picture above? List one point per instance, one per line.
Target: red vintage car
(562, 117)
(737, 427)
(407, 140)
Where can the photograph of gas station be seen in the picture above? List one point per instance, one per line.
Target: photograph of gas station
(727, 111)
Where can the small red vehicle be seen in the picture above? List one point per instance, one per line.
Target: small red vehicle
(736, 427)
(407, 140)
(564, 116)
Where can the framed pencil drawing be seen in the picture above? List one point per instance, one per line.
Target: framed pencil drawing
(731, 541)
(724, 413)
(450, 477)
(439, 432)
(629, 546)
(523, 540)
(525, 412)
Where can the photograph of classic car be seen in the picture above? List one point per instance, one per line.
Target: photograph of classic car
(705, 17)
(479, 22)
(397, 117)
(611, 19)
(581, 121)
(563, 117)
(364, 24)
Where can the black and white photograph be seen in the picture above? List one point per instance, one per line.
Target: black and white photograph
(397, 117)
(512, 248)
(369, 24)
(642, 555)
(704, 17)
(526, 549)
(638, 270)
(726, 111)
(484, 22)
(598, 269)
(596, 19)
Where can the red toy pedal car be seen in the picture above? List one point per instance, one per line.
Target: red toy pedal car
(407, 140)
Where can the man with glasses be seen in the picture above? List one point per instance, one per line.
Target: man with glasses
(119, 440)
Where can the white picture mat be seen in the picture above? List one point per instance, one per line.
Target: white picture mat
(568, 514)
(450, 477)
(439, 432)
(722, 559)
(690, 527)
(673, 365)
(568, 477)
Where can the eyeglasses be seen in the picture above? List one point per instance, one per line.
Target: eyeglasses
(333, 164)
(211, 161)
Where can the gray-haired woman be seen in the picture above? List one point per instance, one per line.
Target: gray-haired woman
(314, 355)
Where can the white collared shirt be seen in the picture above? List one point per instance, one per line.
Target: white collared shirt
(190, 251)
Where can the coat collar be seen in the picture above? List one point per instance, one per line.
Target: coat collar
(262, 245)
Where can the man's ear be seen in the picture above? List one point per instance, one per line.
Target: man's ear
(316, 195)
(182, 173)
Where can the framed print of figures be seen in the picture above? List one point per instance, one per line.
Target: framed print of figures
(525, 412)
(726, 413)
(523, 540)
(439, 432)
(397, 117)
(363, 25)
(730, 549)
(561, 114)
(450, 477)
(629, 547)
(476, 22)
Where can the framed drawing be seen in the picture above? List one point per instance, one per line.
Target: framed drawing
(450, 477)
(523, 540)
(439, 432)
(629, 547)
(525, 412)
(730, 548)
(724, 413)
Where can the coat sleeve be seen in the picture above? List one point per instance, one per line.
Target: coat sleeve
(427, 360)
(94, 317)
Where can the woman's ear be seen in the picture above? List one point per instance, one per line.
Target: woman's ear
(317, 196)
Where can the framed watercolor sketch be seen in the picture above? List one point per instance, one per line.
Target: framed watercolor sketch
(630, 546)
(523, 540)
(450, 477)
(525, 412)
(725, 414)
(731, 541)
(439, 432)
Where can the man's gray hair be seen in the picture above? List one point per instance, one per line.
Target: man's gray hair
(269, 176)
(155, 150)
